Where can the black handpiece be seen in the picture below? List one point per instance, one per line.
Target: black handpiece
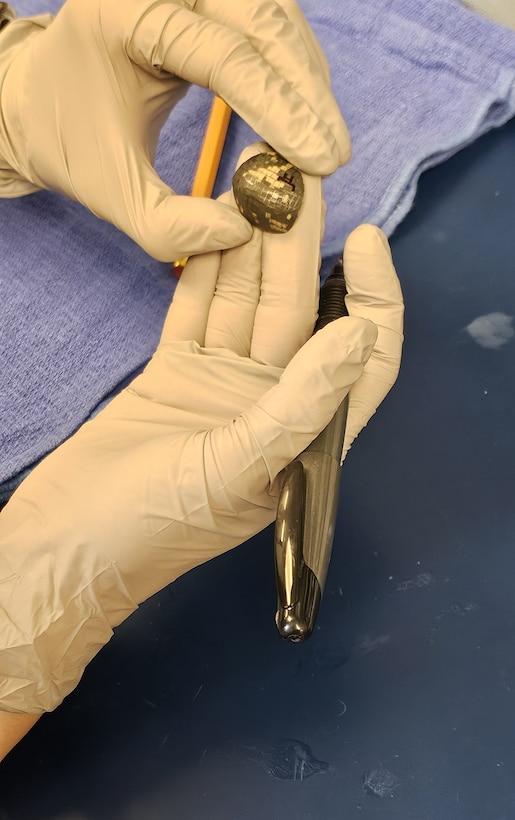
(308, 504)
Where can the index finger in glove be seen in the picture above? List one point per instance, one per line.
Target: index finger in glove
(254, 57)
(374, 293)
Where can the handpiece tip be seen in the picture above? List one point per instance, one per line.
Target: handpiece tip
(291, 627)
(295, 622)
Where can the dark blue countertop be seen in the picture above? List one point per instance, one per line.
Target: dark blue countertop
(402, 704)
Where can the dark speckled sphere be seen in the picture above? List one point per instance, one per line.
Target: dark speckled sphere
(268, 191)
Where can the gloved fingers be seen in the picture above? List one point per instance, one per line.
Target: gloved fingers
(187, 316)
(374, 293)
(292, 413)
(313, 47)
(236, 297)
(219, 290)
(257, 61)
(373, 288)
(238, 287)
(266, 297)
(280, 33)
(288, 305)
(216, 298)
(170, 227)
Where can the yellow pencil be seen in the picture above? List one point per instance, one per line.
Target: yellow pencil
(209, 157)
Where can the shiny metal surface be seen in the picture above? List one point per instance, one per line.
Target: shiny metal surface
(304, 531)
(289, 535)
(298, 588)
(308, 504)
(322, 471)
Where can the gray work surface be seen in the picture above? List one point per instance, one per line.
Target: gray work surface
(402, 704)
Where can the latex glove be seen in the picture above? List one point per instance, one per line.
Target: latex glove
(84, 97)
(186, 463)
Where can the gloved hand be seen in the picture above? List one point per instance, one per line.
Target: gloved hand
(186, 462)
(84, 97)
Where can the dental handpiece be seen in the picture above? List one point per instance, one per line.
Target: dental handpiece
(308, 504)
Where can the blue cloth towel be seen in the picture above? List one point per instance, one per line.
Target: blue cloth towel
(81, 306)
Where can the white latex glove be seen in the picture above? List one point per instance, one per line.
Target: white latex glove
(186, 462)
(85, 96)
(502, 11)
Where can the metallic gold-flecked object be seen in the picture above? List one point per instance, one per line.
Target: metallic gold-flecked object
(268, 191)
(7, 13)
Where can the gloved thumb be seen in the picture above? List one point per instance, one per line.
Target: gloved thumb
(243, 458)
(169, 227)
(292, 413)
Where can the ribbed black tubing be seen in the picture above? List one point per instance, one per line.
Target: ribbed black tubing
(332, 298)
